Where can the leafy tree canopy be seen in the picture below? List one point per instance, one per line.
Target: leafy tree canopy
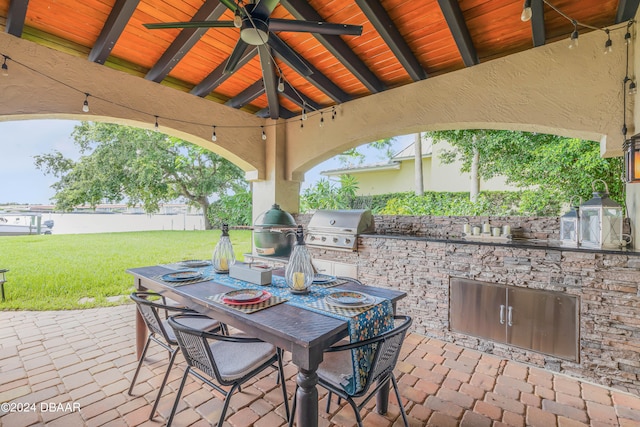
(143, 167)
(562, 168)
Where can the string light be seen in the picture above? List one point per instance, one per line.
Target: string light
(85, 104)
(574, 35)
(5, 67)
(632, 88)
(526, 11)
(86, 108)
(280, 84)
(608, 44)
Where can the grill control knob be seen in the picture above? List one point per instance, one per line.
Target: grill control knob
(348, 241)
(312, 238)
(335, 240)
(324, 238)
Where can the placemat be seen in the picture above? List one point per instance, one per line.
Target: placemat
(331, 284)
(202, 278)
(248, 308)
(322, 304)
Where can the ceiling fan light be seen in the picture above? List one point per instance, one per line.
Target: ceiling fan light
(256, 34)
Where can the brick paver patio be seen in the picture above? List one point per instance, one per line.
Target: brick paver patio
(74, 368)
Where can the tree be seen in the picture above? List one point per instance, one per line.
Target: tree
(561, 168)
(354, 156)
(143, 167)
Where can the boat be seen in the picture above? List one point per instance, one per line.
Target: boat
(21, 224)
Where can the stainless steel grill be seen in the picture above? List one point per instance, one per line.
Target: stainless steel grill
(338, 229)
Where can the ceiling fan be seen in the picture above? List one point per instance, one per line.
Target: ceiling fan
(256, 29)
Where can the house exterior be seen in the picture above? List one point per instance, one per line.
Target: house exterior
(398, 174)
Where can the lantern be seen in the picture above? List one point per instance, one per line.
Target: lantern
(600, 221)
(223, 255)
(569, 227)
(632, 159)
(299, 273)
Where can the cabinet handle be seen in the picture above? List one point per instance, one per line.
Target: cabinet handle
(510, 316)
(502, 314)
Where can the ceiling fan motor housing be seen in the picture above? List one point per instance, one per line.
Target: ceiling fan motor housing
(255, 27)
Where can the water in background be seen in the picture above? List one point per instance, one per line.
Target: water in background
(82, 223)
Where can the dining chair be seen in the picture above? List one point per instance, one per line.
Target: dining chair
(230, 360)
(149, 306)
(337, 365)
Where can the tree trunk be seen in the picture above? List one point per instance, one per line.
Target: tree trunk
(204, 204)
(475, 179)
(418, 164)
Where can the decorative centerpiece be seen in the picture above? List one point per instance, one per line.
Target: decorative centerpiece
(487, 233)
(601, 220)
(299, 273)
(223, 255)
(569, 229)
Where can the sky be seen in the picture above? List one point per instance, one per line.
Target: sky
(21, 182)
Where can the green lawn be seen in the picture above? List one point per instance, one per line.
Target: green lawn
(54, 272)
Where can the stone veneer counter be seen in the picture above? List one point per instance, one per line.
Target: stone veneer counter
(606, 283)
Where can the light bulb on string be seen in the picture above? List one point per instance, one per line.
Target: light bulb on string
(321, 118)
(280, 85)
(264, 135)
(85, 104)
(214, 137)
(301, 124)
(627, 36)
(526, 11)
(5, 67)
(156, 127)
(333, 112)
(608, 44)
(633, 89)
(574, 36)
(304, 113)
(237, 17)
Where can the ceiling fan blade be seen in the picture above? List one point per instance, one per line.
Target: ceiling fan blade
(318, 27)
(235, 57)
(270, 80)
(265, 7)
(190, 24)
(289, 55)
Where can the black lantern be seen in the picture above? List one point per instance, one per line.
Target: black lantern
(632, 159)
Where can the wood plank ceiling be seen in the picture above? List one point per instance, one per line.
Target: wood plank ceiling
(401, 42)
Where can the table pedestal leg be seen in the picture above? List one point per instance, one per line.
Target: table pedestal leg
(307, 396)
(141, 334)
(382, 399)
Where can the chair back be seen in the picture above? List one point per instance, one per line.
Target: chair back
(386, 351)
(195, 347)
(149, 311)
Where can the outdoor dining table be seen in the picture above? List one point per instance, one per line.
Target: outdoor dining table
(305, 333)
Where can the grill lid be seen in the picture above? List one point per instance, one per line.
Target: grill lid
(337, 229)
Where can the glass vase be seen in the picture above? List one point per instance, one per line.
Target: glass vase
(299, 273)
(223, 255)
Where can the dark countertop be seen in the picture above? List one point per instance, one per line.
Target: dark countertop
(514, 243)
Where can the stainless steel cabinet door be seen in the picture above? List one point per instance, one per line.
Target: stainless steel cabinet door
(543, 321)
(478, 309)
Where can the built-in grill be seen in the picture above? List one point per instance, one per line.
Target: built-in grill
(338, 229)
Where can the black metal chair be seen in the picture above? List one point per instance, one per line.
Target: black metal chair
(162, 334)
(337, 365)
(230, 360)
(3, 279)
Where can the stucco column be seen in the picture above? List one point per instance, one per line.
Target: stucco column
(275, 188)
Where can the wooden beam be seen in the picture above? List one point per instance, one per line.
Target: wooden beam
(538, 33)
(458, 27)
(300, 99)
(15, 17)
(118, 18)
(627, 10)
(284, 113)
(387, 29)
(218, 76)
(314, 76)
(301, 9)
(211, 10)
(247, 95)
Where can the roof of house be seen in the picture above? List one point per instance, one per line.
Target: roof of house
(393, 163)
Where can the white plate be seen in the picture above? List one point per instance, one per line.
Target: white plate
(193, 263)
(349, 299)
(323, 278)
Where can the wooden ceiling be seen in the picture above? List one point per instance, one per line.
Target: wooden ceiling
(401, 42)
